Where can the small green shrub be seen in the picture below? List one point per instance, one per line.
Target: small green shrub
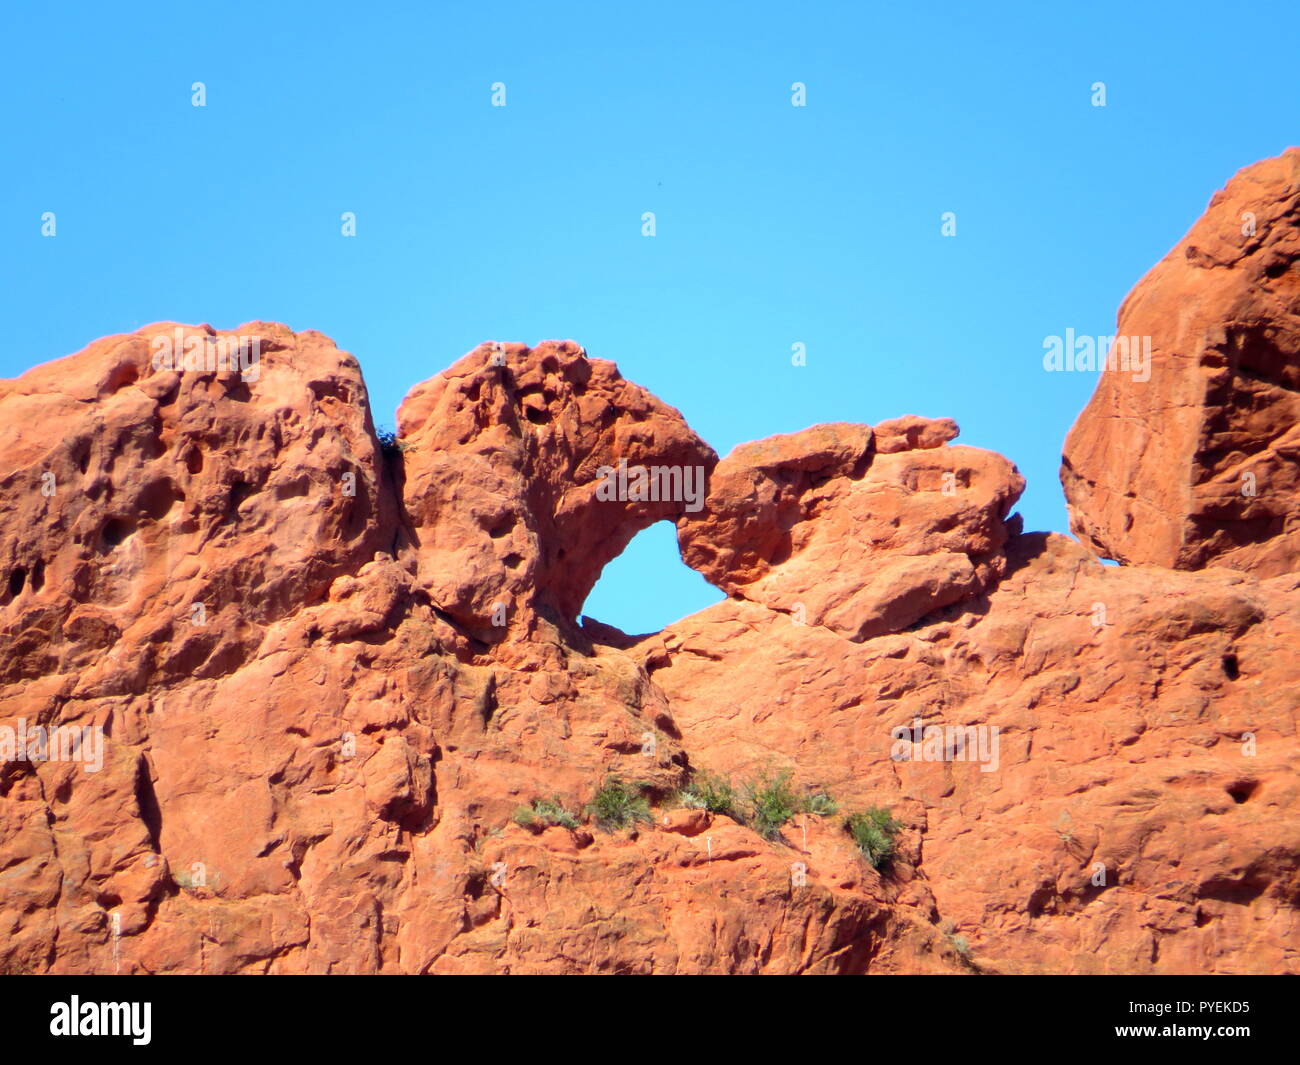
(389, 444)
(874, 830)
(617, 805)
(708, 791)
(545, 812)
(961, 945)
(772, 803)
(820, 804)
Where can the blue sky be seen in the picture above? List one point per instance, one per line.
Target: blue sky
(775, 224)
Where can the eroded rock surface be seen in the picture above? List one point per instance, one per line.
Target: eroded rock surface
(1200, 464)
(503, 461)
(1142, 813)
(329, 671)
(820, 526)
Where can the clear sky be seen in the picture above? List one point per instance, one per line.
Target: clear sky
(775, 225)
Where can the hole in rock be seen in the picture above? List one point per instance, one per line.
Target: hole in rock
(1230, 668)
(649, 586)
(1241, 790)
(122, 375)
(158, 498)
(239, 491)
(115, 531)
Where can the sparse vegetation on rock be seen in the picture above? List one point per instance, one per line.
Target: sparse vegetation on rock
(618, 805)
(711, 792)
(542, 813)
(875, 831)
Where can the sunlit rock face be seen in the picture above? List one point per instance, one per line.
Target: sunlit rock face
(313, 676)
(1195, 460)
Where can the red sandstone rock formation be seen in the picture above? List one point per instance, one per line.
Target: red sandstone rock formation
(503, 453)
(329, 677)
(818, 525)
(1200, 464)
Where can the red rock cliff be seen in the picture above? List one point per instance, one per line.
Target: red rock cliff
(329, 673)
(1197, 465)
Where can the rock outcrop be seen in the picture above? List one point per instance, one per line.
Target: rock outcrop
(1194, 460)
(328, 670)
(1140, 814)
(819, 525)
(504, 454)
